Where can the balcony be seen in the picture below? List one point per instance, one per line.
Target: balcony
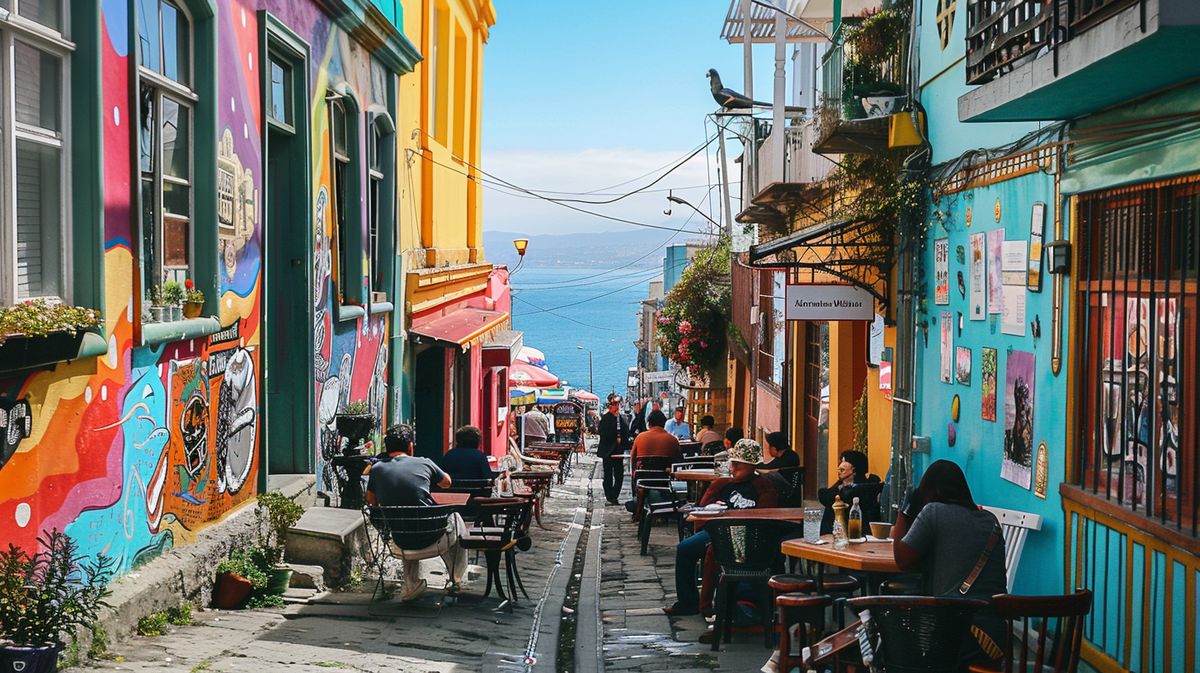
(1043, 60)
(775, 187)
(863, 78)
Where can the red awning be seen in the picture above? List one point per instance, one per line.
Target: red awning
(584, 395)
(524, 374)
(459, 327)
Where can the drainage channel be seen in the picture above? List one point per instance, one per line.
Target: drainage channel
(568, 628)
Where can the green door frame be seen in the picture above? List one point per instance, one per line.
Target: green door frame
(298, 453)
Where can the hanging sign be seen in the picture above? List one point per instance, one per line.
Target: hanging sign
(829, 302)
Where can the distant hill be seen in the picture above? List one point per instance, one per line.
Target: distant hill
(600, 249)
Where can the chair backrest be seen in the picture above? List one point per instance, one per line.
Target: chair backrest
(689, 448)
(711, 448)
(653, 463)
(510, 515)
(476, 488)
(752, 545)
(411, 526)
(795, 479)
(1045, 633)
(918, 633)
(1015, 526)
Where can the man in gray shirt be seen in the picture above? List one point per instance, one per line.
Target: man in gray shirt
(537, 425)
(400, 479)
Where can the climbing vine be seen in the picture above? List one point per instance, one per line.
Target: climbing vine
(693, 324)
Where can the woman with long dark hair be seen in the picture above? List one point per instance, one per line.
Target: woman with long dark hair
(958, 549)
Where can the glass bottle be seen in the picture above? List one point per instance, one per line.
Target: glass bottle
(839, 523)
(855, 530)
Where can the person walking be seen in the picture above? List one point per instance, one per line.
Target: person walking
(615, 438)
(638, 422)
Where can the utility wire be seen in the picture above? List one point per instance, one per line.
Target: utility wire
(593, 298)
(564, 317)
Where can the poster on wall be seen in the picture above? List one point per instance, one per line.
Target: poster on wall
(987, 383)
(947, 347)
(978, 278)
(995, 254)
(1036, 232)
(1012, 317)
(962, 365)
(941, 271)
(1017, 465)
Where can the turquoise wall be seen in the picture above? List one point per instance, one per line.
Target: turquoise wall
(979, 446)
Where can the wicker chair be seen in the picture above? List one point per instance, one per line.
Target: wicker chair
(745, 552)
(918, 634)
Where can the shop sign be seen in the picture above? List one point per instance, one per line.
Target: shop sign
(829, 302)
(658, 377)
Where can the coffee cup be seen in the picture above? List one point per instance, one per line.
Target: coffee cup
(881, 530)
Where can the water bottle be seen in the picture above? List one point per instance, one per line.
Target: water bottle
(855, 531)
(839, 523)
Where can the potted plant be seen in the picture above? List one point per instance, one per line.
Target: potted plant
(193, 300)
(275, 513)
(172, 298)
(237, 576)
(355, 423)
(37, 331)
(45, 594)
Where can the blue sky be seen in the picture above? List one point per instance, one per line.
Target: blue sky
(580, 96)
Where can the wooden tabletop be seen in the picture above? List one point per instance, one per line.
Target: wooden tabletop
(534, 474)
(457, 499)
(791, 514)
(865, 556)
(696, 475)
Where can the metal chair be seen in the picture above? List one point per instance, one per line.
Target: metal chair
(497, 541)
(917, 634)
(745, 552)
(655, 468)
(1044, 632)
(409, 533)
(795, 479)
(660, 501)
(475, 488)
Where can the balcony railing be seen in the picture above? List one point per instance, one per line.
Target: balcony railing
(800, 164)
(1003, 33)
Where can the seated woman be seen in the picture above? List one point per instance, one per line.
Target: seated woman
(744, 489)
(942, 533)
(853, 482)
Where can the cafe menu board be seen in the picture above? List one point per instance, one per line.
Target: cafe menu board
(567, 417)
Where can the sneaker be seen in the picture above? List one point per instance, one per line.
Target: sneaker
(413, 590)
(680, 610)
(772, 665)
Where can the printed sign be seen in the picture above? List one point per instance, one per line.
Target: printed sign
(567, 422)
(941, 271)
(829, 302)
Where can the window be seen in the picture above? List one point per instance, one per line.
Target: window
(343, 131)
(381, 200)
(165, 138)
(1136, 432)
(279, 92)
(434, 73)
(34, 233)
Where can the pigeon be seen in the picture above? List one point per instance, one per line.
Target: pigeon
(729, 99)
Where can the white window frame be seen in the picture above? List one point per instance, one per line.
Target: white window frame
(165, 87)
(13, 26)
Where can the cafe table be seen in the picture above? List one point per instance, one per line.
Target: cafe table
(777, 514)
(873, 558)
(538, 482)
(453, 499)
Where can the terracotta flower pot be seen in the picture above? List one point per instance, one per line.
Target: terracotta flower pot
(28, 659)
(191, 309)
(230, 591)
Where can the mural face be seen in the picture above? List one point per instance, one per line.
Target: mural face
(137, 450)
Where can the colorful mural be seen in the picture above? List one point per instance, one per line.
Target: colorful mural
(135, 451)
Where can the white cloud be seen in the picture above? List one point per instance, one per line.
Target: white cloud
(596, 169)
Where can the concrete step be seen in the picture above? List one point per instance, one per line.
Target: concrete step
(329, 537)
(307, 576)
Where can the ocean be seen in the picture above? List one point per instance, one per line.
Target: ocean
(559, 309)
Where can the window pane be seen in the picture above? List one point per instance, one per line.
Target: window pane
(149, 48)
(175, 40)
(39, 225)
(280, 93)
(176, 236)
(148, 129)
(36, 85)
(46, 12)
(376, 266)
(377, 149)
(175, 139)
(339, 129)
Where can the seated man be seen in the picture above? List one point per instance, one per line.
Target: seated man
(679, 427)
(853, 482)
(655, 441)
(465, 460)
(401, 479)
(782, 456)
(743, 489)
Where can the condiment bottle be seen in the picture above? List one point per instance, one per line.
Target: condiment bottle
(855, 529)
(839, 523)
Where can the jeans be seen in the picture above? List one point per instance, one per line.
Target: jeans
(614, 477)
(688, 554)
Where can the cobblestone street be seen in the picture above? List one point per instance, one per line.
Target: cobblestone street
(608, 618)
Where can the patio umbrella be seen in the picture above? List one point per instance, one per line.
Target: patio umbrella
(526, 374)
(532, 355)
(585, 395)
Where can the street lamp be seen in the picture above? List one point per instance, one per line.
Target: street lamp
(591, 381)
(675, 199)
(520, 244)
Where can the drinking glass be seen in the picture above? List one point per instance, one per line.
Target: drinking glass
(812, 524)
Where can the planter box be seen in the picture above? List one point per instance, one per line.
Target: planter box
(19, 351)
(357, 427)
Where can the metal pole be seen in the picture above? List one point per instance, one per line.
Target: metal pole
(591, 379)
(747, 50)
(777, 128)
(725, 180)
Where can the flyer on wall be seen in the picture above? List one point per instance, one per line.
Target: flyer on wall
(947, 348)
(1017, 465)
(978, 277)
(941, 271)
(995, 254)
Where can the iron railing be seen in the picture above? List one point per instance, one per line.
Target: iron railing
(1136, 425)
(1003, 33)
(800, 164)
(841, 85)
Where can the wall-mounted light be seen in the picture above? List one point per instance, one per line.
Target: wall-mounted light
(1058, 256)
(520, 244)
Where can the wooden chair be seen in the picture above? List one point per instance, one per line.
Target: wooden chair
(1015, 527)
(805, 611)
(1044, 632)
(916, 633)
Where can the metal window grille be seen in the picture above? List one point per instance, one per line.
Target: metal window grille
(1136, 432)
